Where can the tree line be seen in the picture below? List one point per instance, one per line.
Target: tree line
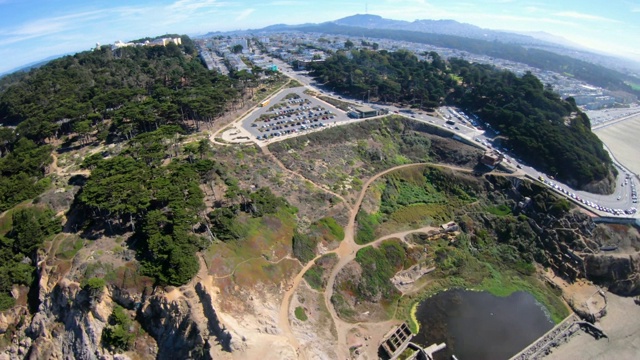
(546, 60)
(543, 129)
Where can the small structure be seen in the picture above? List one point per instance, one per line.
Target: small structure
(492, 158)
(399, 341)
(451, 226)
(363, 112)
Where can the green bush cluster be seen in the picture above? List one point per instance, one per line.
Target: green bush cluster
(30, 227)
(379, 265)
(301, 314)
(313, 277)
(304, 247)
(334, 228)
(119, 334)
(367, 224)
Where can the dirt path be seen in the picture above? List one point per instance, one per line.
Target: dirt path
(346, 253)
(267, 152)
(54, 168)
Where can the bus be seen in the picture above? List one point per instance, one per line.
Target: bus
(264, 103)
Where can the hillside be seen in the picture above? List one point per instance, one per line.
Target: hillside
(543, 129)
(132, 231)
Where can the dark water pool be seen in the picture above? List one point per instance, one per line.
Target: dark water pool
(478, 325)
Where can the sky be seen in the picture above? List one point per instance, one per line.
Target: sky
(32, 30)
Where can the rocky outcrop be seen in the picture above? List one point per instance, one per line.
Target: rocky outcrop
(605, 186)
(12, 318)
(620, 273)
(170, 323)
(214, 327)
(69, 322)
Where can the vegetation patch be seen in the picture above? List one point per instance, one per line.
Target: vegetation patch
(118, 335)
(414, 197)
(30, 227)
(69, 247)
(301, 314)
(500, 210)
(325, 230)
(317, 275)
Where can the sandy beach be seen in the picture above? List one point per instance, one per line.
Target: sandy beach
(623, 139)
(620, 324)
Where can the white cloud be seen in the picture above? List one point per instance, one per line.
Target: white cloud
(192, 5)
(283, 3)
(244, 14)
(583, 16)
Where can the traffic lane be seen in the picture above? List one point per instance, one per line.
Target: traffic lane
(609, 201)
(605, 201)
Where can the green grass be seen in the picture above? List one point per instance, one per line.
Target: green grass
(6, 220)
(313, 277)
(301, 314)
(634, 86)
(500, 210)
(69, 247)
(367, 224)
(333, 227)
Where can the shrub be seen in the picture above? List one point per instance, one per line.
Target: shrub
(94, 284)
(118, 335)
(301, 314)
(313, 277)
(304, 247)
(334, 228)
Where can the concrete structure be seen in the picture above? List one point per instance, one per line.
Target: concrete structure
(399, 340)
(492, 158)
(450, 226)
(363, 112)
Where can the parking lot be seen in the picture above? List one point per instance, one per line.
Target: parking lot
(291, 112)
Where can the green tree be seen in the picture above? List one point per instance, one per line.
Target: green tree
(236, 49)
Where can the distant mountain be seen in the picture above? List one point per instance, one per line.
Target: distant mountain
(32, 65)
(536, 39)
(446, 27)
(550, 38)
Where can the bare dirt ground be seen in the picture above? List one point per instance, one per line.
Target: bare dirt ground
(622, 139)
(620, 324)
(580, 294)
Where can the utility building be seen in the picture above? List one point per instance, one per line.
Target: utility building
(362, 112)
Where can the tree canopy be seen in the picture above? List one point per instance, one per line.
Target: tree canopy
(548, 132)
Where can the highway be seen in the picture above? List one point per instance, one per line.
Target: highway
(604, 205)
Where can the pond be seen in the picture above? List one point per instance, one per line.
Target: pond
(478, 325)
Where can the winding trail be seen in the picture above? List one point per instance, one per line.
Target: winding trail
(268, 152)
(346, 252)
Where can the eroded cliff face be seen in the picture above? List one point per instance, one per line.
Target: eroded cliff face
(619, 273)
(70, 320)
(570, 242)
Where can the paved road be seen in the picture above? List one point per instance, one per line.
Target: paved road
(621, 198)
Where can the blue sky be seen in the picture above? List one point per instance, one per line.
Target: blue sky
(31, 30)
